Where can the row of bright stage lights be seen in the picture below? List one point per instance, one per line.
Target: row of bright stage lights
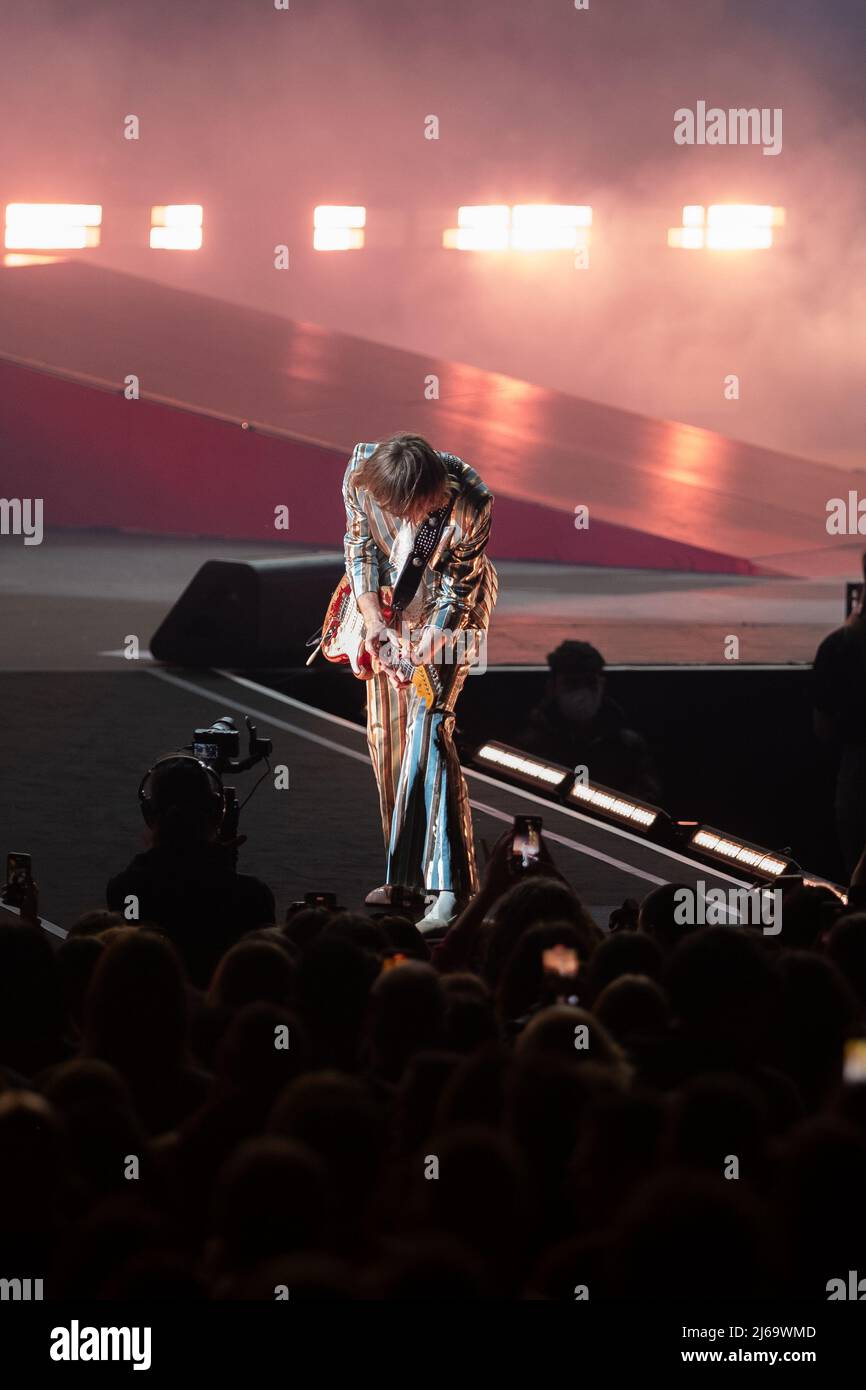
(562, 784)
(33, 227)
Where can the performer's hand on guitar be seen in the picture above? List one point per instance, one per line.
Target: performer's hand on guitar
(394, 652)
(376, 636)
(375, 628)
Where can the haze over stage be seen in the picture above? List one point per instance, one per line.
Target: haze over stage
(661, 495)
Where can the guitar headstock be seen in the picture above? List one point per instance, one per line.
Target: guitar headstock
(427, 684)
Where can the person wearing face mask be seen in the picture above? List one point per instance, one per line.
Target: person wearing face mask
(577, 724)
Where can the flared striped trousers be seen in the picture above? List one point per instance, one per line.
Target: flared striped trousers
(426, 817)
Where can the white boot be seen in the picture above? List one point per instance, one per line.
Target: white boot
(441, 914)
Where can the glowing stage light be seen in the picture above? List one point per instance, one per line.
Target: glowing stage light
(549, 227)
(338, 228)
(727, 227)
(739, 238)
(524, 227)
(484, 228)
(716, 845)
(536, 772)
(52, 226)
(687, 238)
(621, 808)
(176, 227)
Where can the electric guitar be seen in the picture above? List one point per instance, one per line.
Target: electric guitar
(342, 641)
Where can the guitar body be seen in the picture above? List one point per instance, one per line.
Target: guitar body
(343, 642)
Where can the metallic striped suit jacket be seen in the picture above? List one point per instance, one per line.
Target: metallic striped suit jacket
(462, 590)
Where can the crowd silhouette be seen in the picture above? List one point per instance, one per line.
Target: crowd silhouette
(207, 1104)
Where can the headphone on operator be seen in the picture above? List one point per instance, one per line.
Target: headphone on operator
(215, 793)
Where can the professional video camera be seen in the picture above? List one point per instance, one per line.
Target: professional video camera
(219, 746)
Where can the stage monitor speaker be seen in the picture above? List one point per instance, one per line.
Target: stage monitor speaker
(249, 613)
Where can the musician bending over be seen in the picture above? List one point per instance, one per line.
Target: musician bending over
(418, 520)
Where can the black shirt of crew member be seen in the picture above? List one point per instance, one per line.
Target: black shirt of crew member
(187, 883)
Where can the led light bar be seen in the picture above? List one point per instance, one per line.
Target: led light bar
(717, 845)
(52, 226)
(727, 227)
(549, 227)
(338, 228)
(176, 227)
(610, 803)
(524, 227)
(536, 772)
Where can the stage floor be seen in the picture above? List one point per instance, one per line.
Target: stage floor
(70, 604)
(78, 745)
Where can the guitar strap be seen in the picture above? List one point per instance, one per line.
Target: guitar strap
(427, 538)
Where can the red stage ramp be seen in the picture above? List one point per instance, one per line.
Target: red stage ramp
(176, 461)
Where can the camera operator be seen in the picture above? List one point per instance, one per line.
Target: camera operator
(186, 883)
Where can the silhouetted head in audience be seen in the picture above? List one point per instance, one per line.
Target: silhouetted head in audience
(481, 1198)
(619, 1146)
(820, 1193)
(100, 1121)
(306, 924)
(263, 1049)
(403, 936)
(407, 1015)
(624, 953)
(807, 914)
(574, 1036)
(684, 1236)
(530, 903)
(547, 1100)
(307, 1278)
(270, 1199)
(33, 1177)
(361, 930)
(632, 1008)
(112, 1236)
(658, 916)
(136, 1020)
(252, 972)
(334, 978)
(718, 1119)
(818, 1011)
(431, 1268)
(846, 948)
(543, 968)
(470, 1019)
(76, 961)
(724, 994)
(425, 1079)
(31, 1009)
(154, 1276)
(475, 1092)
(336, 1118)
(93, 923)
